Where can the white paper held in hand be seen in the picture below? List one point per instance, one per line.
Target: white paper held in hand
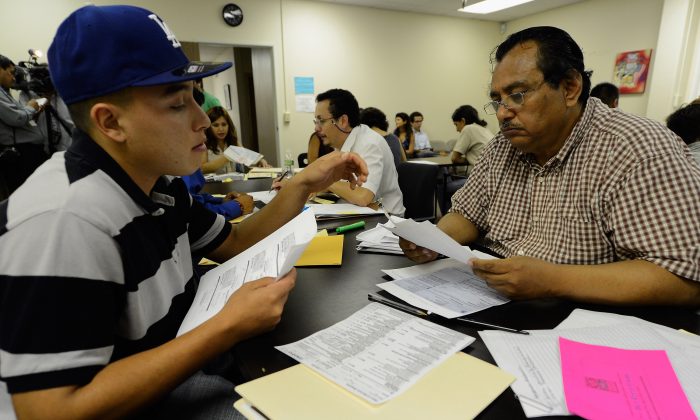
(273, 256)
(242, 155)
(429, 236)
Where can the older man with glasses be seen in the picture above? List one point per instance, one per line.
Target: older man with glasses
(585, 203)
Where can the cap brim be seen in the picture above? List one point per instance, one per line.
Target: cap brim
(190, 71)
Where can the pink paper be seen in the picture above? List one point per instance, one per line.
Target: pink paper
(609, 383)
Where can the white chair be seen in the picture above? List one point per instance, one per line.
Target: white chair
(438, 145)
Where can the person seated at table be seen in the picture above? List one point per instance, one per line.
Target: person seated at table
(686, 123)
(473, 136)
(422, 141)
(220, 135)
(337, 123)
(96, 261)
(316, 148)
(376, 120)
(584, 202)
(404, 132)
(232, 205)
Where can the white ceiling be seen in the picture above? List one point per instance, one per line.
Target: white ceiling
(449, 7)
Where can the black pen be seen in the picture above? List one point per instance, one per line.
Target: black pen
(278, 179)
(396, 305)
(493, 326)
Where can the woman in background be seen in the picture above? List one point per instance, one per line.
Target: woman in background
(473, 136)
(404, 132)
(220, 135)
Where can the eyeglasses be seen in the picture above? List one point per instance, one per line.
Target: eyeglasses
(512, 102)
(319, 122)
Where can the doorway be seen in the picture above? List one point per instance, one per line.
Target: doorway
(246, 90)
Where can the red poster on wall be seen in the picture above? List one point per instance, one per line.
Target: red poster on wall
(631, 71)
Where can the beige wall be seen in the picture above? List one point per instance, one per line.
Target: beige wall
(396, 61)
(604, 28)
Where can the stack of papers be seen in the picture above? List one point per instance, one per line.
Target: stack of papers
(242, 155)
(378, 363)
(535, 359)
(339, 211)
(271, 172)
(365, 352)
(445, 287)
(300, 393)
(378, 239)
(227, 177)
(263, 196)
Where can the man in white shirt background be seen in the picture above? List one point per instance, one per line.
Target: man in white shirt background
(337, 122)
(422, 140)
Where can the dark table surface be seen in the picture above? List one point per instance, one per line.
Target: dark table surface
(326, 295)
(250, 185)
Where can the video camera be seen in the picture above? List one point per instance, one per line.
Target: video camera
(33, 77)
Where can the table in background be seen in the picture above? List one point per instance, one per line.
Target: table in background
(326, 295)
(248, 185)
(445, 163)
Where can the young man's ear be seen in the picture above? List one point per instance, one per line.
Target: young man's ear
(105, 119)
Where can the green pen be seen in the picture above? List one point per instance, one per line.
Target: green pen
(346, 228)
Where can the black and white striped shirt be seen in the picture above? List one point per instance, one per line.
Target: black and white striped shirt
(93, 270)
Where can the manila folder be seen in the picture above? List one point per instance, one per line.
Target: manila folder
(459, 388)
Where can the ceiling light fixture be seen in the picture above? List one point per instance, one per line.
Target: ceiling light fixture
(489, 6)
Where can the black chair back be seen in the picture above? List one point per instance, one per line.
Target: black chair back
(418, 182)
(303, 160)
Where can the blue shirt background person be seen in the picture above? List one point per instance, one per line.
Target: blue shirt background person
(231, 206)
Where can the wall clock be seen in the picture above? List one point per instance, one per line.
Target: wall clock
(232, 14)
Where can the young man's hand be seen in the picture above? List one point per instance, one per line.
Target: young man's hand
(257, 306)
(244, 200)
(330, 168)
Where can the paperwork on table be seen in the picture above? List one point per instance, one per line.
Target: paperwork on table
(602, 382)
(263, 196)
(273, 256)
(429, 236)
(378, 352)
(446, 287)
(378, 239)
(534, 359)
(339, 210)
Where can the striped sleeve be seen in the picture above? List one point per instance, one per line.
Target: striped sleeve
(65, 336)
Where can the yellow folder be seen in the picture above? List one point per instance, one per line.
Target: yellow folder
(323, 250)
(459, 388)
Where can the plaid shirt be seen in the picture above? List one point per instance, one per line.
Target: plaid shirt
(622, 187)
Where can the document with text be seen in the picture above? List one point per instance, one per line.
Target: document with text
(274, 256)
(445, 287)
(429, 236)
(535, 361)
(378, 352)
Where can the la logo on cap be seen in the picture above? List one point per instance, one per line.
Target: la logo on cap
(168, 32)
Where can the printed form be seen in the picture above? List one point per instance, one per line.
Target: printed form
(534, 360)
(274, 256)
(378, 352)
(446, 287)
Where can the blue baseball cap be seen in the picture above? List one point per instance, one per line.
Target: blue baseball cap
(99, 50)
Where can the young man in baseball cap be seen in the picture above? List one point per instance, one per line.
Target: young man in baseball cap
(96, 266)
